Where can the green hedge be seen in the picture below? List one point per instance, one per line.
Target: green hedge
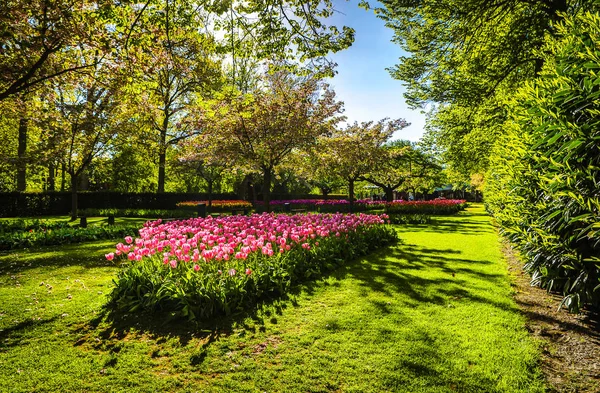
(544, 183)
(140, 213)
(64, 235)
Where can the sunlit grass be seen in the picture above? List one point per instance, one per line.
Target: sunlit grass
(433, 314)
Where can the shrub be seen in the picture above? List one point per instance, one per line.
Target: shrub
(198, 268)
(140, 213)
(544, 183)
(217, 206)
(410, 219)
(22, 225)
(62, 235)
(435, 207)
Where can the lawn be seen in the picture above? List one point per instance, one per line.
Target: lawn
(432, 314)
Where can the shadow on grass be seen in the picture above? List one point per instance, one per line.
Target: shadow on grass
(87, 255)
(11, 336)
(388, 271)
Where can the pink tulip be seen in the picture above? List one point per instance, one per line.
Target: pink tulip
(110, 256)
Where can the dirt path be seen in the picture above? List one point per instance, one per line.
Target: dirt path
(570, 343)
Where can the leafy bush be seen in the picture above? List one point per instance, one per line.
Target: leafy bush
(410, 219)
(198, 268)
(62, 235)
(22, 225)
(435, 207)
(544, 185)
(141, 213)
(217, 206)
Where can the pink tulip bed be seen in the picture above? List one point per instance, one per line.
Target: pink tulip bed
(199, 268)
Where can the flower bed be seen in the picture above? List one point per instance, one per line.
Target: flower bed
(435, 207)
(198, 268)
(217, 205)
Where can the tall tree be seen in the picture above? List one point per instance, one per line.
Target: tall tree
(262, 129)
(353, 152)
(401, 165)
(463, 56)
(39, 37)
(173, 72)
(84, 115)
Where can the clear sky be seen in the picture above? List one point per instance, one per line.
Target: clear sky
(362, 82)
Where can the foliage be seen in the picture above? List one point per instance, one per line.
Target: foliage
(465, 57)
(261, 129)
(411, 219)
(218, 205)
(202, 267)
(352, 152)
(41, 40)
(435, 207)
(50, 235)
(544, 185)
(143, 213)
(25, 225)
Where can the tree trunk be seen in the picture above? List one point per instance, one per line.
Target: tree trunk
(63, 175)
(389, 194)
(351, 194)
(210, 190)
(162, 155)
(324, 191)
(51, 177)
(267, 189)
(162, 159)
(74, 182)
(21, 153)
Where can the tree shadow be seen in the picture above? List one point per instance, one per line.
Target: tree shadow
(12, 335)
(86, 255)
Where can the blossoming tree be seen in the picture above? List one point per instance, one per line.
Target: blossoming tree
(261, 129)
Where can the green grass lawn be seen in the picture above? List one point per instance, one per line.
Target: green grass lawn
(432, 314)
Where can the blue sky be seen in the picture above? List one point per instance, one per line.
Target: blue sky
(362, 82)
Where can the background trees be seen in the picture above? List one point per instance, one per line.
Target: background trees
(353, 152)
(261, 129)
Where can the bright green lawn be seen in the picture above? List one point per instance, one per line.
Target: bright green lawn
(434, 314)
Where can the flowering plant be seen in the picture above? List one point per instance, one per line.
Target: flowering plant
(201, 267)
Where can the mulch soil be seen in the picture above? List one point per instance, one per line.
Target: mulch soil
(570, 343)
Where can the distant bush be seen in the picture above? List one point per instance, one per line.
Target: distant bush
(140, 213)
(63, 235)
(410, 219)
(435, 207)
(22, 225)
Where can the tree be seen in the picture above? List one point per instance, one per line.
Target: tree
(204, 156)
(464, 57)
(173, 73)
(39, 38)
(262, 129)
(84, 115)
(353, 152)
(401, 164)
